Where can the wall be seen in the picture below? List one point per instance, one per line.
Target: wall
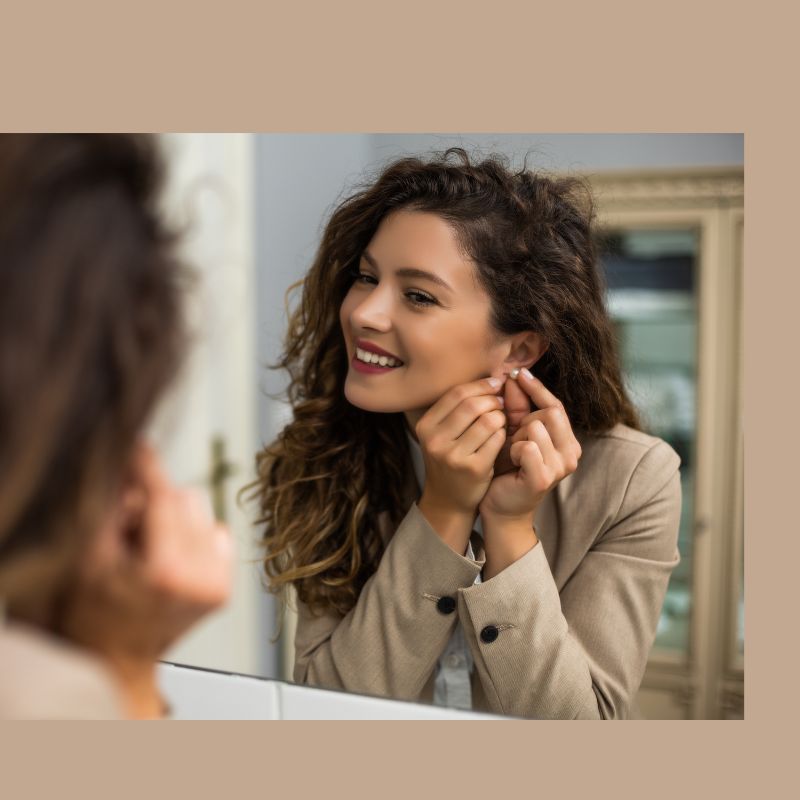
(581, 151)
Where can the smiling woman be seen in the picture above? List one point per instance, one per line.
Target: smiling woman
(454, 534)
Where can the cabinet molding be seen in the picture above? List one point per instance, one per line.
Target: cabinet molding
(656, 189)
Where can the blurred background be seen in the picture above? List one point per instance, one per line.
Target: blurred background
(672, 219)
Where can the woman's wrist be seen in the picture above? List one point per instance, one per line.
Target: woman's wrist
(506, 540)
(452, 525)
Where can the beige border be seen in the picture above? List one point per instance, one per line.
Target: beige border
(413, 66)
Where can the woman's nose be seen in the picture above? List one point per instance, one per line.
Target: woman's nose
(373, 312)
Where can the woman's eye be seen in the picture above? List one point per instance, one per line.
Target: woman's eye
(363, 277)
(414, 296)
(420, 298)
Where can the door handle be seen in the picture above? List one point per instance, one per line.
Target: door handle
(221, 470)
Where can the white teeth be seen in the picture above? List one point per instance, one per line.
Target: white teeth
(369, 357)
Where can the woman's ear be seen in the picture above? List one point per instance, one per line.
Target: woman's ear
(117, 537)
(525, 350)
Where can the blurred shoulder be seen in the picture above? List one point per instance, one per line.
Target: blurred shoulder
(42, 677)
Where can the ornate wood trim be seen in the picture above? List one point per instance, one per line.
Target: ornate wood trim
(669, 189)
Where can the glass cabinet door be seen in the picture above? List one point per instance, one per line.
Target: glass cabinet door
(651, 278)
(670, 247)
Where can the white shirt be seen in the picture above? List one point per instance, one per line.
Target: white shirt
(452, 686)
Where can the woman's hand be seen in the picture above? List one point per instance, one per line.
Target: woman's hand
(153, 572)
(543, 451)
(460, 436)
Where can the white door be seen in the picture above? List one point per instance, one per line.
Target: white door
(206, 428)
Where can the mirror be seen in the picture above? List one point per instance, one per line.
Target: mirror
(255, 208)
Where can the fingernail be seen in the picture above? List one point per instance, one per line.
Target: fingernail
(527, 373)
(494, 382)
(502, 402)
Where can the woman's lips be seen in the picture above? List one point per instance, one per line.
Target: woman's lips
(363, 344)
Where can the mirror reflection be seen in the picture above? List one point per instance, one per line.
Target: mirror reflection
(452, 364)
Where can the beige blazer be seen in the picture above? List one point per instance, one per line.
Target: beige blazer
(42, 677)
(576, 616)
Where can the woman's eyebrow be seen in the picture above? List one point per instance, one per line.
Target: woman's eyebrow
(410, 272)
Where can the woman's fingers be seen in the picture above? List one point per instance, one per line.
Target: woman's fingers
(490, 449)
(553, 416)
(185, 555)
(449, 434)
(529, 461)
(542, 397)
(537, 475)
(485, 426)
(558, 426)
(517, 404)
(559, 448)
(543, 449)
(191, 557)
(537, 432)
(146, 469)
(473, 414)
(450, 400)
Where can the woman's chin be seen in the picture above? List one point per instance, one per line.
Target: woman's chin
(368, 400)
(371, 405)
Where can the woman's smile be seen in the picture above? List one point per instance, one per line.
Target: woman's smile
(371, 359)
(415, 310)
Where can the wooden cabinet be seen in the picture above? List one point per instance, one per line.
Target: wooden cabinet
(672, 249)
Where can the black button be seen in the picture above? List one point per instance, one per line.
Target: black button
(446, 605)
(489, 634)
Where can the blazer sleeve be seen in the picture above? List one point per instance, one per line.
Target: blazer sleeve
(581, 654)
(389, 642)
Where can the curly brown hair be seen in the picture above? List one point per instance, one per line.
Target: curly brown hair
(91, 332)
(323, 482)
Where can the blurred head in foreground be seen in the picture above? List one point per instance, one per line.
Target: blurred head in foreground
(91, 332)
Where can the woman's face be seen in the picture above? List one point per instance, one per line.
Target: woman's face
(417, 303)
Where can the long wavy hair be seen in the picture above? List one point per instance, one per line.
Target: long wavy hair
(323, 483)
